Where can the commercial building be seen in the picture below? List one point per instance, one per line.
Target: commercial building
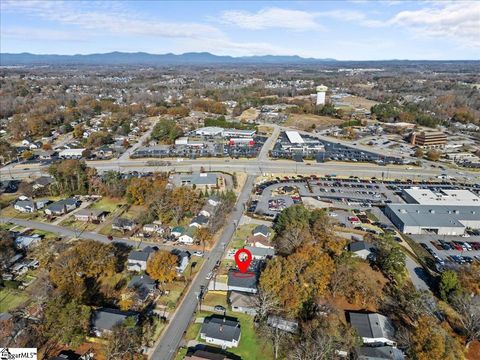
(437, 219)
(71, 153)
(429, 140)
(446, 197)
(321, 90)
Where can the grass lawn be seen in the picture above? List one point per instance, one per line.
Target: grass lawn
(175, 291)
(212, 299)
(45, 234)
(11, 299)
(78, 225)
(107, 204)
(241, 234)
(12, 213)
(199, 262)
(250, 347)
(182, 352)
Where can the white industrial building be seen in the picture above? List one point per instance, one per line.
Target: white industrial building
(71, 153)
(209, 131)
(436, 219)
(442, 197)
(321, 90)
(294, 137)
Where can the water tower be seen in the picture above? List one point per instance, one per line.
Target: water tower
(321, 90)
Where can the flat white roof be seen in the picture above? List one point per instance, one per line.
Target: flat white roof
(443, 197)
(294, 137)
(67, 152)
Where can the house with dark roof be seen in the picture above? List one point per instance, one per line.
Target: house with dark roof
(29, 206)
(361, 249)
(143, 285)
(123, 224)
(104, 320)
(137, 259)
(62, 206)
(206, 355)
(177, 231)
(378, 353)
(373, 328)
(183, 257)
(90, 215)
(222, 331)
(262, 230)
(199, 221)
(42, 182)
(242, 282)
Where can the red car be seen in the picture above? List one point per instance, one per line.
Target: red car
(457, 247)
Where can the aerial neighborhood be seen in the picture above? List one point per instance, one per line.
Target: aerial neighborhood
(214, 207)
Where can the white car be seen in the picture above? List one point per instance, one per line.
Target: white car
(197, 253)
(332, 214)
(209, 275)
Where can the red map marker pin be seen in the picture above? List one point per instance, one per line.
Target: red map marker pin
(243, 258)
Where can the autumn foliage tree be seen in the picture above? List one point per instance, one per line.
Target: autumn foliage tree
(162, 266)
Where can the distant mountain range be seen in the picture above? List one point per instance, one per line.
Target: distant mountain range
(139, 58)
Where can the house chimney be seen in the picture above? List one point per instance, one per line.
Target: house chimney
(221, 328)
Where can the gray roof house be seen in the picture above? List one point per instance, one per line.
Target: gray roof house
(188, 235)
(137, 260)
(260, 253)
(62, 206)
(25, 241)
(202, 179)
(123, 224)
(143, 285)
(373, 328)
(378, 353)
(29, 206)
(43, 181)
(361, 249)
(243, 282)
(242, 302)
(183, 258)
(104, 320)
(89, 215)
(222, 331)
(199, 221)
(261, 230)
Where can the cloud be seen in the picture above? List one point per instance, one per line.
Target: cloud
(21, 33)
(271, 18)
(357, 17)
(459, 21)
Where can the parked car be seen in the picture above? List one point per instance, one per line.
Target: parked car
(209, 275)
(219, 308)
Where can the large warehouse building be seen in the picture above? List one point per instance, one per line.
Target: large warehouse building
(442, 197)
(437, 219)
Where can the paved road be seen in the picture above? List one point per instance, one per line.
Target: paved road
(66, 232)
(166, 347)
(417, 273)
(139, 143)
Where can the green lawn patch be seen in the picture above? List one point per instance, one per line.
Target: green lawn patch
(241, 235)
(213, 299)
(108, 204)
(175, 291)
(11, 299)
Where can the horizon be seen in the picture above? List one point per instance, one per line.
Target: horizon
(340, 30)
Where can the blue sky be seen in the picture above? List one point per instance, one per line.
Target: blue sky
(345, 30)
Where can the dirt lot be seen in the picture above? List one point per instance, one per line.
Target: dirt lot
(249, 114)
(359, 102)
(305, 121)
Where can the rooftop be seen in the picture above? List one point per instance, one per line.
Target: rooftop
(372, 325)
(443, 197)
(223, 328)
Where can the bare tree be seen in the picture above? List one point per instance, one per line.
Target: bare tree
(469, 310)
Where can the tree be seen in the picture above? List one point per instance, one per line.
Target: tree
(433, 155)
(78, 131)
(124, 341)
(162, 266)
(391, 259)
(71, 177)
(27, 155)
(166, 131)
(419, 153)
(67, 322)
(469, 278)
(7, 151)
(469, 310)
(449, 284)
(7, 249)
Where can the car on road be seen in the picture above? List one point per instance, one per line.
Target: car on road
(209, 275)
(219, 308)
(198, 253)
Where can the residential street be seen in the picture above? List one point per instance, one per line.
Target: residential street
(166, 347)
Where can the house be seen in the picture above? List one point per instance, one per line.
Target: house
(214, 200)
(201, 180)
(177, 231)
(259, 241)
(199, 221)
(208, 210)
(45, 154)
(242, 303)
(104, 320)
(262, 230)
(206, 355)
(137, 260)
(71, 153)
(104, 152)
(221, 331)
(373, 328)
(62, 206)
(25, 241)
(242, 282)
(361, 249)
(123, 224)
(278, 322)
(152, 228)
(143, 285)
(188, 236)
(42, 181)
(260, 253)
(29, 206)
(378, 353)
(183, 257)
(90, 215)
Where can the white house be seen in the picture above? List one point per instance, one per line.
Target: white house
(221, 331)
(71, 153)
(188, 236)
